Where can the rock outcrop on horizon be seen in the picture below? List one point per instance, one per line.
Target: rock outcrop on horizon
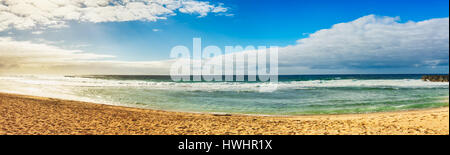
(435, 78)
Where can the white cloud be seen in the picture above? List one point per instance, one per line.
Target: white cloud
(372, 42)
(28, 14)
(18, 57)
(30, 52)
(202, 8)
(43, 41)
(37, 32)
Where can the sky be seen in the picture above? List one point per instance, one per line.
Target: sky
(136, 36)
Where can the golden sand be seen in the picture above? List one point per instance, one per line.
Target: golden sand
(46, 116)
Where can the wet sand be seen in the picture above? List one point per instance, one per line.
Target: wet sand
(27, 115)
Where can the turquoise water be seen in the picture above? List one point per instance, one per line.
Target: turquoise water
(296, 95)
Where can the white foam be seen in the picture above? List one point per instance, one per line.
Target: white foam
(47, 81)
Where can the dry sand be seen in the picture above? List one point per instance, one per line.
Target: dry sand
(45, 116)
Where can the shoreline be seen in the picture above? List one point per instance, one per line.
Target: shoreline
(40, 115)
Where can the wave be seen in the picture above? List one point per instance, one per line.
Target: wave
(338, 83)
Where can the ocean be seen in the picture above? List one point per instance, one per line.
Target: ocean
(296, 94)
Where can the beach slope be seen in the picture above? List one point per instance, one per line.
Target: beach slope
(27, 115)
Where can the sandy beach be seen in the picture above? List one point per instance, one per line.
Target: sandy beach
(27, 115)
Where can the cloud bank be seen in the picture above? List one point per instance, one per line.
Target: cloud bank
(17, 57)
(372, 42)
(29, 14)
(368, 43)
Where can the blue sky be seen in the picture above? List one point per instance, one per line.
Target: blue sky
(245, 22)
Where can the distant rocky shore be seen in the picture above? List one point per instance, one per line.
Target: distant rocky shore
(435, 78)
